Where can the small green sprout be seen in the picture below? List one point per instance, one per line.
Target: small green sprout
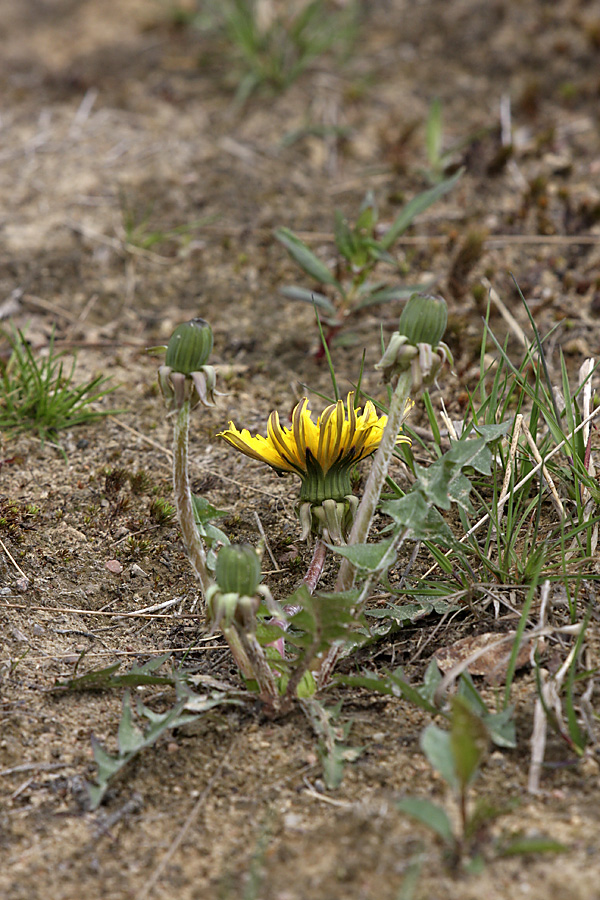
(441, 162)
(438, 160)
(457, 755)
(140, 482)
(346, 287)
(162, 511)
(273, 44)
(139, 234)
(38, 394)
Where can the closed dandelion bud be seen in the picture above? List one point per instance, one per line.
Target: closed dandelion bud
(237, 570)
(189, 347)
(424, 319)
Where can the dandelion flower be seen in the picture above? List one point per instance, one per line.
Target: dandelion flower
(321, 453)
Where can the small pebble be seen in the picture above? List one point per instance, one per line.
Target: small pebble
(18, 635)
(292, 821)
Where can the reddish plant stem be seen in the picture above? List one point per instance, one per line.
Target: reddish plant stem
(310, 580)
(315, 569)
(329, 336)
(313, 573)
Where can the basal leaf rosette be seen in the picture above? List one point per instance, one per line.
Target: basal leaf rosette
(322, 453)
(417, 345)
(185, 375)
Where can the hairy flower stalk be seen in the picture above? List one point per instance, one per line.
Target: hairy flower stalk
(315, 569)
(399, 407)
(185, 381)
(414, 358)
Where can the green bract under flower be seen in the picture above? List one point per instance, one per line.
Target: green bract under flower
(189, 346)
(238, 569)
(424, 319)
(322, 453)
(185, 377)
(417, 345)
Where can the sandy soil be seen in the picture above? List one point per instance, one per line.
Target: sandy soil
(109, 108)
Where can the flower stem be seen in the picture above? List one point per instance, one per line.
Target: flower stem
(315, 569)
(366, 511)
(261, 669)
(376, 479)
(183, 498)
(238, 652)
(337, 650)
(310, 580)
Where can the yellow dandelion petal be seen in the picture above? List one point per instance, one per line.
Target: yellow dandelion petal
(298, 428)
(353, 420)
(296, 437)
(339, 423)
(369, 414)
(324, 426)
(330, 433)
(258, 447)
(321, 452)
(282, 442)
(366, 442)
(312, 434)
